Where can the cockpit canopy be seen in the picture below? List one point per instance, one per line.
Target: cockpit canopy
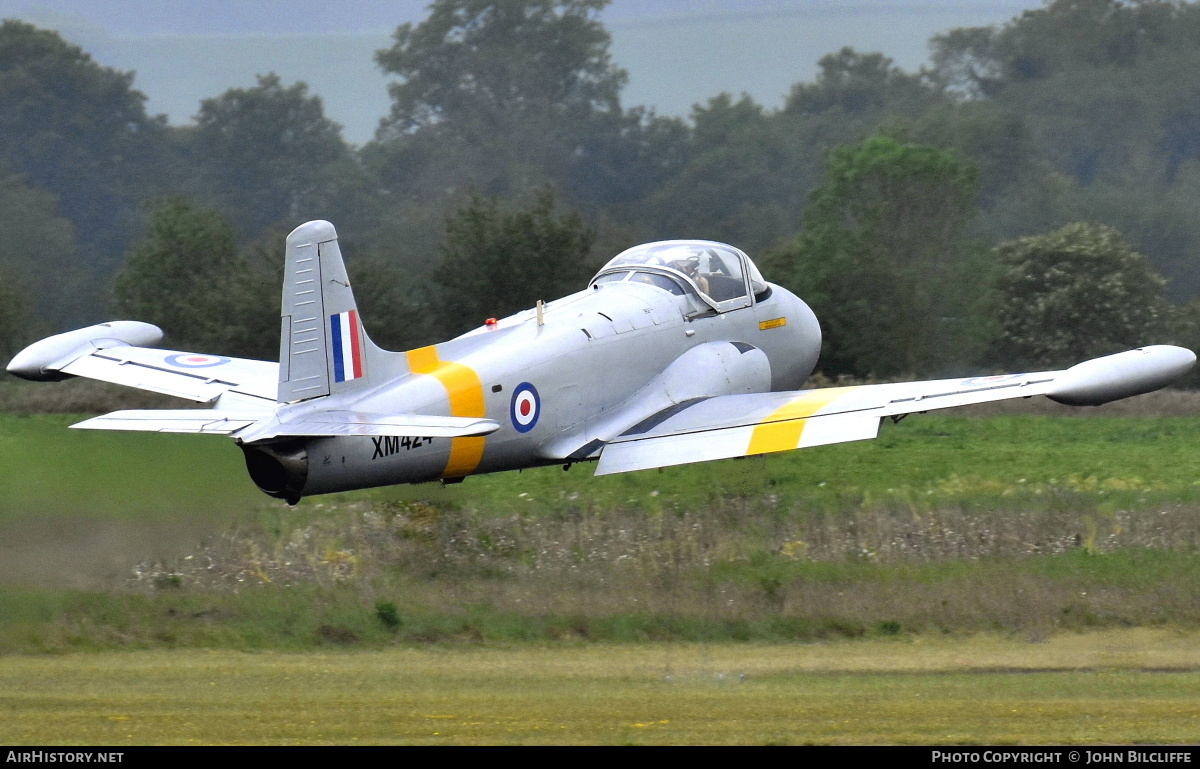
(724, 276)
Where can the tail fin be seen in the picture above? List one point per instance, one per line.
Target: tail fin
(323, 349)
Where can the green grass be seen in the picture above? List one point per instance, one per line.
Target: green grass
(1025, 525)
(52, 471)
(941, 585)
(1109, 688)
(925, 462)
(734, 601)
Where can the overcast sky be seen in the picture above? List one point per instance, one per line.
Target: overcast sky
(677, 52)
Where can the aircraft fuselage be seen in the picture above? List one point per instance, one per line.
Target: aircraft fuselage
(598, 363)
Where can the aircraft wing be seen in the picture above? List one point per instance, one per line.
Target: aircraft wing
(120, 352)
(761, 423)
(193, 376)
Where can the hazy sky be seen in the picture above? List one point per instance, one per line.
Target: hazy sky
(677, 52)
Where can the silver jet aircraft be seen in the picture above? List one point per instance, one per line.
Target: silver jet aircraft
(676, 352)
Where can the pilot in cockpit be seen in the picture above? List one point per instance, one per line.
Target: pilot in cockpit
(690, 266)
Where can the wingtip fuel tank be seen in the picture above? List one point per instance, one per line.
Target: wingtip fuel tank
(1134, 372)
(41, 360)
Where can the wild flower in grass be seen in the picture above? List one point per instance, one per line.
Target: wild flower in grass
(957, 487)
(795, 550)
(341, 563)
(1091, 484)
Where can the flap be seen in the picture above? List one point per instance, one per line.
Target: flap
(727, 442)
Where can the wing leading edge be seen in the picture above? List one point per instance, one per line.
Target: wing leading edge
(762, 423)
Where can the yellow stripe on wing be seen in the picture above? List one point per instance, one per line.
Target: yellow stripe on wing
(465, 390)
(782, 430)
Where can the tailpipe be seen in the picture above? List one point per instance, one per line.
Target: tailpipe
(278, 469)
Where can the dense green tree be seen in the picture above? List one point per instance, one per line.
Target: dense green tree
(1105, 92)
(270, 157)
(395, 309)
(498, 64)
(511, 94)
(1062, 36)
(884, 261)
(15, 321)
(496, 262)
(187, 276)
(40, 260)
(80, 131)
(996, 139)
(1076, 293)
(747, 171)
(854, 84)
(1099, 80)
(732, 186)
(623, 158)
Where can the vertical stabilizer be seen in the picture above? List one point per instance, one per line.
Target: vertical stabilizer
(323, 349)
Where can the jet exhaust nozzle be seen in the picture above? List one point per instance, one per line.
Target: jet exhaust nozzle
(279, 470)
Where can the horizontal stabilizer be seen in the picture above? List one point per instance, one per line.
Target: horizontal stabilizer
(205, 421)
(329, 423)
(325, 423)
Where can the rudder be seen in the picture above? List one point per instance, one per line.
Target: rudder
(323, 348)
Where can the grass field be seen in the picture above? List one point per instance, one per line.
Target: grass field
(1017, 462)
(1015, 578)
(1129, 686)
(1020, 524)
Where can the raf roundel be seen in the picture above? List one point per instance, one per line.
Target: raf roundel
(193, 360)
(525, 407)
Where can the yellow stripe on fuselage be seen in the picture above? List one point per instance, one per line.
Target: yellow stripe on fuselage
(465, 390)
(782, 430)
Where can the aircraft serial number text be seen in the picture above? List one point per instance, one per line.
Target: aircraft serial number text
(386, 445)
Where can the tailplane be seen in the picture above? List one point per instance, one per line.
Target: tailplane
(323, 348)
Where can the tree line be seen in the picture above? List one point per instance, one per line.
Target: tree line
(1030, 197)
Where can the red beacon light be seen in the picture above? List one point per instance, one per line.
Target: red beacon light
(490, 322)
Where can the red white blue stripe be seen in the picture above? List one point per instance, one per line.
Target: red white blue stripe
(346, 335)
